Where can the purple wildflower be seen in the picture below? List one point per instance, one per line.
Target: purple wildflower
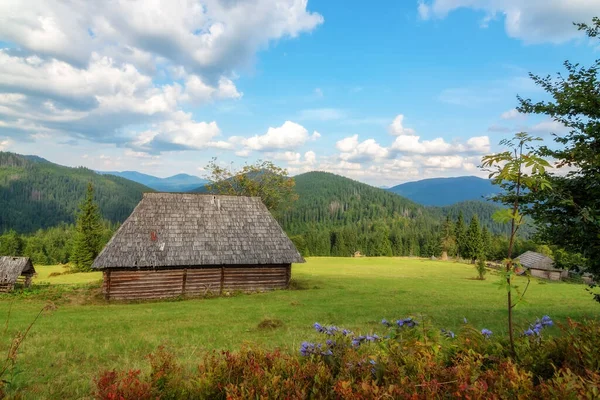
(448, 334)
(486, 332)
(346, 332)
(318, 327)
(385, 322)
(330, 342)
(529, 332)
(546, 321)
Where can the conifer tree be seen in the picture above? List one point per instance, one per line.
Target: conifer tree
(486, 242)
(448, 242)
(473, 242)
(86, 245)
(459, 235)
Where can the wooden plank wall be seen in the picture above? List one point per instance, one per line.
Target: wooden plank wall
(192, 282)
(248, 279)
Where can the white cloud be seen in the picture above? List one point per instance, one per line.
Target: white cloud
(290, 135)
(549, 126)
(4, 144)
(181, 132)
(347, 144)
(512, 114)
(352, 150)
(397, 128)
(424, 10)
(533, 21)
(98, 72)
(294, 158)
(212, 36)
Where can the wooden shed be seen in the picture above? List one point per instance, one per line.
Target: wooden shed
(176, 244)
(541, 266)
(14, 268)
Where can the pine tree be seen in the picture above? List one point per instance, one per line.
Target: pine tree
(486, 242)
(448, 241)
(459, 235)
(86, 245)
(473, 243)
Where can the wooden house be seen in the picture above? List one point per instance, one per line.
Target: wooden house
(14, 268)
(176, 244)
(541, 266)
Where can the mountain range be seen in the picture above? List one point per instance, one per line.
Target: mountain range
(35, 193)
(446, 191)
(175, 183)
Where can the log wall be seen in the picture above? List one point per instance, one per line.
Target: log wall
(131, 284)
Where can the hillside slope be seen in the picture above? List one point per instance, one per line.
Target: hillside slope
(331, 200)
(446, 191)
(35, 193)
(175, 183)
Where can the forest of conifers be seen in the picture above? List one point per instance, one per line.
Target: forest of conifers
(333, 216)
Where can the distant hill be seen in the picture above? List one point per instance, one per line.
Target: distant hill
(446, 191)
(333, 200)
(35, 193)
(175, 183)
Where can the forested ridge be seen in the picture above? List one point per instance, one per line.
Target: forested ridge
(337, 216)
(333, 216)
(37, 194)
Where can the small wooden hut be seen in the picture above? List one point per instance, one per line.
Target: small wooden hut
(176, 244)
(541, 266)
(14, 268)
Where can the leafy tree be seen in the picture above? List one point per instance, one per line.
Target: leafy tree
(11, 244)
(569, 214)
(459, 235)
(508, 170)
(262, 179)
(473, 245)
(88, 234)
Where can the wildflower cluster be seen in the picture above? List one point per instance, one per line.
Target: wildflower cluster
(307, 348)
(486, 332)
(406, 322)
(357, 341)
(330, 330)
(536, 328)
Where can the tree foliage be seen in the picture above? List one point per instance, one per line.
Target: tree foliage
(508, 170)
(473, 244)
(569, 214)
(262, 179)
(37, 194)
(88, 234)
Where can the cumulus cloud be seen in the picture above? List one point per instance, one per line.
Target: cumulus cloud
(105, 73)
(290, 135)
(179, 133)
(397, 127)
(533, 21)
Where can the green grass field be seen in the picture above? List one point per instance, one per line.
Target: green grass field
(84, 335)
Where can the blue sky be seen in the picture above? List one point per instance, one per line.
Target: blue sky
(384, 93)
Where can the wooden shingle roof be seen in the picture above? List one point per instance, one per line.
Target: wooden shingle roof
(12, 267)
(531, 259)
(177, 229)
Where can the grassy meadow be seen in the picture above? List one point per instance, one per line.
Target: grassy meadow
(67, 347)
